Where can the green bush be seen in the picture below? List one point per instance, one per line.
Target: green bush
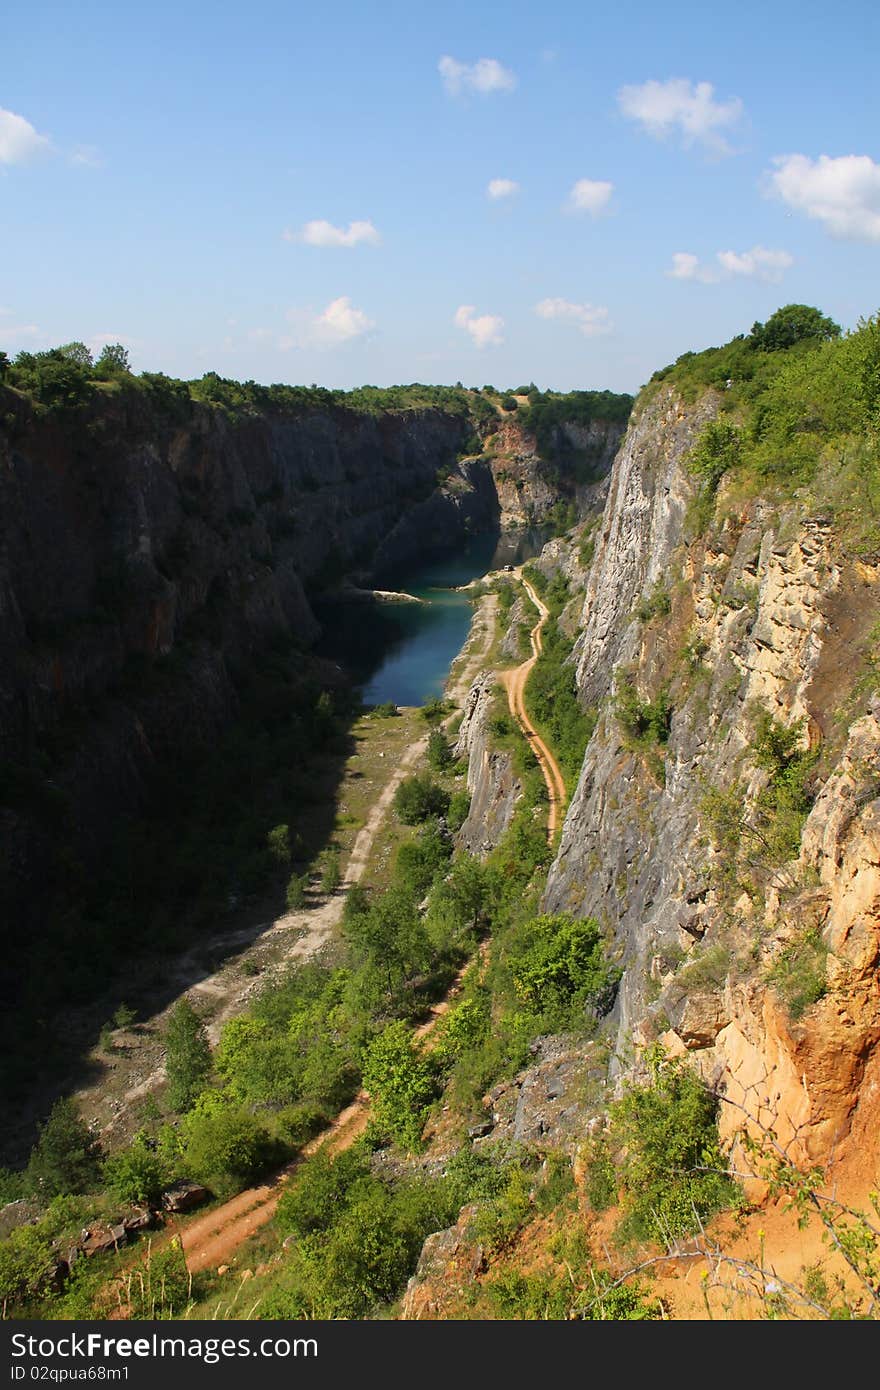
(419, 797)
(559, 967)
(226, 1148)
(136, 1174)
(459, 808)
(440, 756)
(66, 1156)
(296, 891)
(672, 1172)
(401, 1084)
(799, 973)
(644, 722)
(187, 1055)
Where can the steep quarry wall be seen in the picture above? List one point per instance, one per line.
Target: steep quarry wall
(529, 487)
(763, 614)
(146, 555)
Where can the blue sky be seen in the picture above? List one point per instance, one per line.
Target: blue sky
(570, 193)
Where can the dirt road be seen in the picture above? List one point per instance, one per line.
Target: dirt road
(515, 682)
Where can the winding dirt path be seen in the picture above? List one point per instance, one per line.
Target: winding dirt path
(515, 683)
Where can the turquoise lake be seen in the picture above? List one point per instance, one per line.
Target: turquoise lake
(403, 651)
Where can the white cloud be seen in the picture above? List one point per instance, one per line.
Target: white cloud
(843, 193)
(485, 75)
(591, 319)
(686, 108)
(321, 233)
(590, 195)
(19, 142)
(757, 264)
(340, 322)
(485, 329)
(502, 188)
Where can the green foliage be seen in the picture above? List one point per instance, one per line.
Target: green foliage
(559, 968)
(434, 710)
(136, 1174)
(187, 1055)
(752, 841)
(799, 973)
(645, 723)
(160, 1286)
(440, 756)
(496, 1222)
(331, 874)
(123, 1016)
(225, 1147)
(464, 1027)
(420, 860)
(321, 1191)
(278, 844)
(562, 1297)
(656, 604)
(296, 893)
(27, 1262)
(52, 379)
(792, 324)
(387, 710)
(66, 1156)
(669, 1164)
(717, 450)
(547, 412)
(459, 808)
(509, 403)
(551, 695)
(419, 797)
(400, 1081)
(358, 1237)
(113, 361)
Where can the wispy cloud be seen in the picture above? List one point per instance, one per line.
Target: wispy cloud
(19, 141)
(590, 195)
(86, 157)
(842, 193)
(321, 233)
(759, 263)
(485, 329)
(486, 75)
(591, 319)
(340, 322)
(688, 109)
(502, 188)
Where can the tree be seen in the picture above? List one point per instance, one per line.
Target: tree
(188, 1055)
(113, 360)
(419, 797)
(399, 1081)
(226, 1147)
(793, 324)
(136, 1174)
(78, 354)
(66, 1156)
(440, 755)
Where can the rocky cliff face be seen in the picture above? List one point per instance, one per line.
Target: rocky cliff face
(145, 556)
(762, 616)
(529, 487)
(491, 779)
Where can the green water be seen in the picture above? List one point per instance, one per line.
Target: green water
(402, 652)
